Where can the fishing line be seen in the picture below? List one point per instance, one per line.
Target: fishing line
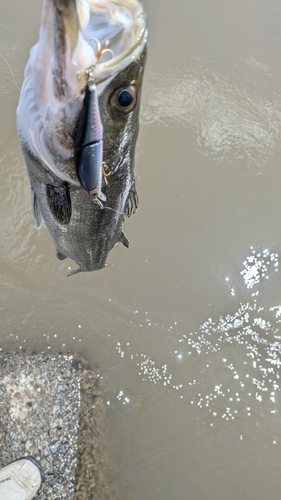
(113, 210)
(11, 71)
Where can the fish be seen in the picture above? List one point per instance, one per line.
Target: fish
(78, 123)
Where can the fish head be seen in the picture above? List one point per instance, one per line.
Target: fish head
(108, 38)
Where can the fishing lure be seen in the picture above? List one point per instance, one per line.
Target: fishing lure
(90, 167)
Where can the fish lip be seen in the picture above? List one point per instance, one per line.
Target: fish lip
(82, 269)
(97, 266)
(88, 267)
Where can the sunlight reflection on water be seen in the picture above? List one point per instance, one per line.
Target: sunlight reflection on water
(237, 357)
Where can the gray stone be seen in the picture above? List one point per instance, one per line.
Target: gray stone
(63, 429)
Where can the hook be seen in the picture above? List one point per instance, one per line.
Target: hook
(101, 50)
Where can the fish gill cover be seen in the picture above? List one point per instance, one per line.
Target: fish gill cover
(78, 123)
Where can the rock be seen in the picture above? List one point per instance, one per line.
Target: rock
(47, 412)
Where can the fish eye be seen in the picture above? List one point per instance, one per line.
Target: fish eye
(124, 99)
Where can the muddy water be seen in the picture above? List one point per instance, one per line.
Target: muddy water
(185, 328)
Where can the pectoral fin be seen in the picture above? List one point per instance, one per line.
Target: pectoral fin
(59, 202)
(132, 203)
(36, 211)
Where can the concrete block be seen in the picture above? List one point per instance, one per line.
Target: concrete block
(51, 409)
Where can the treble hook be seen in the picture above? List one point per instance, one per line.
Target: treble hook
(101, 50)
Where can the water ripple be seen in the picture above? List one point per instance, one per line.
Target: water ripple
(229, 122)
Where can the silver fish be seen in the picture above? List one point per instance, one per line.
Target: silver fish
(82, 182)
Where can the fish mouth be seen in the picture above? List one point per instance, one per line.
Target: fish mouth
(104, 35)
(120, 23)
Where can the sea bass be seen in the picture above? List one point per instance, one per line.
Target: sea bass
(77, 122)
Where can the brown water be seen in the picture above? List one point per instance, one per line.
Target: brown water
(185, 327)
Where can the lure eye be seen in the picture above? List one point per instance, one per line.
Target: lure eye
(124, 100)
